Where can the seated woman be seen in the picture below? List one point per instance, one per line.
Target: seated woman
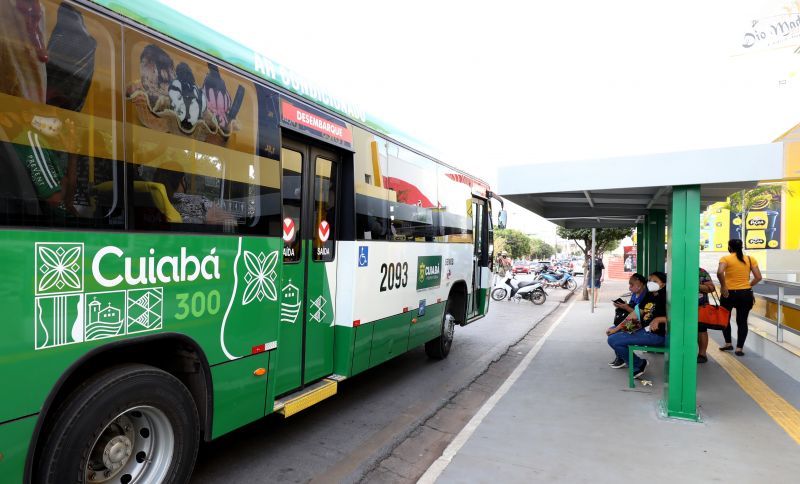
(194, 209)
(649, 324)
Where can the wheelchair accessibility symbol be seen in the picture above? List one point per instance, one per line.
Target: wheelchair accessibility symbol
(363, 256)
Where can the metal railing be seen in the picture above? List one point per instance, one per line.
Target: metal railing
(781, 302)
(781, 275)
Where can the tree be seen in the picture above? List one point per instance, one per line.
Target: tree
(516, 243)
(606, 240)
(757, 198)
(499, 245)
(541, 249)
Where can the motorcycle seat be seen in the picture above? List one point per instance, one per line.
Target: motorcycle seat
(526, 284)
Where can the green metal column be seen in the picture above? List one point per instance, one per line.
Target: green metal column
(640, 264)
(655, 252)
(680, 390)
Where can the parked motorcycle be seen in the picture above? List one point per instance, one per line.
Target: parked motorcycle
(510, 288)
(562, 279)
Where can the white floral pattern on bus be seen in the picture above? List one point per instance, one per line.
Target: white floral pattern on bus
(260, 277)
(59, 267)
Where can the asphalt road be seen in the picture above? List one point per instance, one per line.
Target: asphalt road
(345, 437)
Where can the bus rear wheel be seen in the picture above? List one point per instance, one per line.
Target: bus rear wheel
(439, 348)
(129, 424)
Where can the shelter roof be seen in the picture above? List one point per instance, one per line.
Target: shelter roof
(617, 192)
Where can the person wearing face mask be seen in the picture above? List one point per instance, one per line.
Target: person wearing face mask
(651, 317)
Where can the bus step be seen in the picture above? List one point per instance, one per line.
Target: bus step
(297, 402)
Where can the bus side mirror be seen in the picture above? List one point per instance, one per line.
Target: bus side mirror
(502, 219)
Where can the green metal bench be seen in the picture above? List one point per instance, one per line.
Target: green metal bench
(631, 349)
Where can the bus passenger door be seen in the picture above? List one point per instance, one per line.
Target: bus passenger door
(308, 287)
(321, 265)
(479, 259)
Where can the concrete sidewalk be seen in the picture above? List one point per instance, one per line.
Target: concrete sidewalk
(569, 417)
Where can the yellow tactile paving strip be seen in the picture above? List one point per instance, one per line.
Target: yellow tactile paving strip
(781, 411)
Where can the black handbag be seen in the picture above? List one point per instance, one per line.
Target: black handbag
(619, 316)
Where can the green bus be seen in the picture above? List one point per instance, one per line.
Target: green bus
(194, 237)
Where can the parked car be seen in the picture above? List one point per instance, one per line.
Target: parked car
(521, 268)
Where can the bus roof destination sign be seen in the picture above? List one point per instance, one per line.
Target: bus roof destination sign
(314, 122)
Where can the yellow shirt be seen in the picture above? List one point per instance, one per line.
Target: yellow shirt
(737, 273)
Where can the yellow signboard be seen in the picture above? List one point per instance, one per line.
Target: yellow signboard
(715, 227)
(791, 160)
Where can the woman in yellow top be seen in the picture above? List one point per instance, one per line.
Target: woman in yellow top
(737, 293)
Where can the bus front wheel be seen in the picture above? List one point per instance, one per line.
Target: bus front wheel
(131, 423)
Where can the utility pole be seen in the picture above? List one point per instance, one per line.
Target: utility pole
(594, 288)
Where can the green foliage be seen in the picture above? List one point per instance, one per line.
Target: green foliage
(607, 239)
(612, 246)
(499, 244)
(541, 249)
(760, 197)
(517, 244)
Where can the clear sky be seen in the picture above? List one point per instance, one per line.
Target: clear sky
(487, 84)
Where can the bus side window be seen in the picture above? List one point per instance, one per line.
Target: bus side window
(455, 202)
(413, 211)
(59, 119)
(292, 189)
(195, 144)
(372, 194)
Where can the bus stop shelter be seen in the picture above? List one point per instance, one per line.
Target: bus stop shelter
(656, 194)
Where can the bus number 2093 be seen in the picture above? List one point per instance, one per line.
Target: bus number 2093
(395, 276)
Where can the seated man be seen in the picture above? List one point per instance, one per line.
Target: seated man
(651, 319)
(637, 284)
(638, 287)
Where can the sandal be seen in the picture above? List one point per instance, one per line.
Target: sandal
(726, 348)
(738, 353)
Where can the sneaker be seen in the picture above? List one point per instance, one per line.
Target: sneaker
(618, 363)
(702, 358)
(640, 371)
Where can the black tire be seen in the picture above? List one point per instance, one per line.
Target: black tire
(538, 297)
(439, 348)
(499, 293)
(93, 412)
(571, 285)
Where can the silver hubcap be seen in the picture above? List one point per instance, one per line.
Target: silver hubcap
(449, 328)
(136, 447)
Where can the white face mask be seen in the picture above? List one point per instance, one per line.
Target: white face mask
(653, 286)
